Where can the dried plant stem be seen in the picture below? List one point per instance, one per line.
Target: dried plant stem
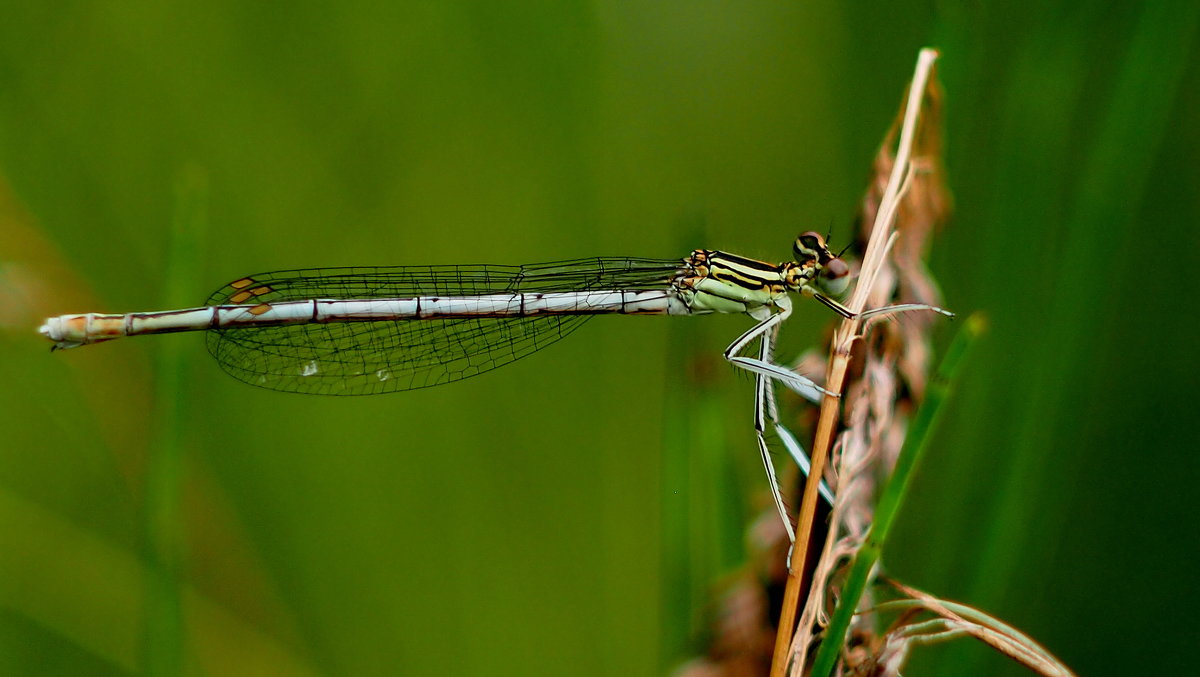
(844, 339)
(959, 619)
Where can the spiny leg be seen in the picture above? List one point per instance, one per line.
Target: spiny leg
(763, 401)
(801, 458)
(769, 321)
(767, 409)
(885, 310)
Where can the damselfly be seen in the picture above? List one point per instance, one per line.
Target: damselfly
(363, 331)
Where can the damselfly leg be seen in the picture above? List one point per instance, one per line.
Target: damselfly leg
(765, 407)
(766, 371)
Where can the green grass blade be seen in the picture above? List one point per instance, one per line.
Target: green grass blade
(163, 637)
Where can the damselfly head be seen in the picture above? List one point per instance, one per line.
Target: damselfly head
(832, 273)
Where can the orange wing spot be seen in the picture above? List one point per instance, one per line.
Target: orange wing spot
(242, 283)
(259, 291)
(260, 309)
(240, 296)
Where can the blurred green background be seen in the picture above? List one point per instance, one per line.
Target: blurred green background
(513, 523)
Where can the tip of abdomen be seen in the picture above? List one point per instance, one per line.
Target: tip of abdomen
(67, 331)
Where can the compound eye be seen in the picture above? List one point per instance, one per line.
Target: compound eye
(809, 246)
(835, 276)
(836, 269)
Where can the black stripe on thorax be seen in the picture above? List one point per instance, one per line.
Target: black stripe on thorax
(744, 272)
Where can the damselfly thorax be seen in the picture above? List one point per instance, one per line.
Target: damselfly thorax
(728, 283)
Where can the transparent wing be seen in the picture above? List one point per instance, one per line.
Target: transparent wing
(366, 358)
